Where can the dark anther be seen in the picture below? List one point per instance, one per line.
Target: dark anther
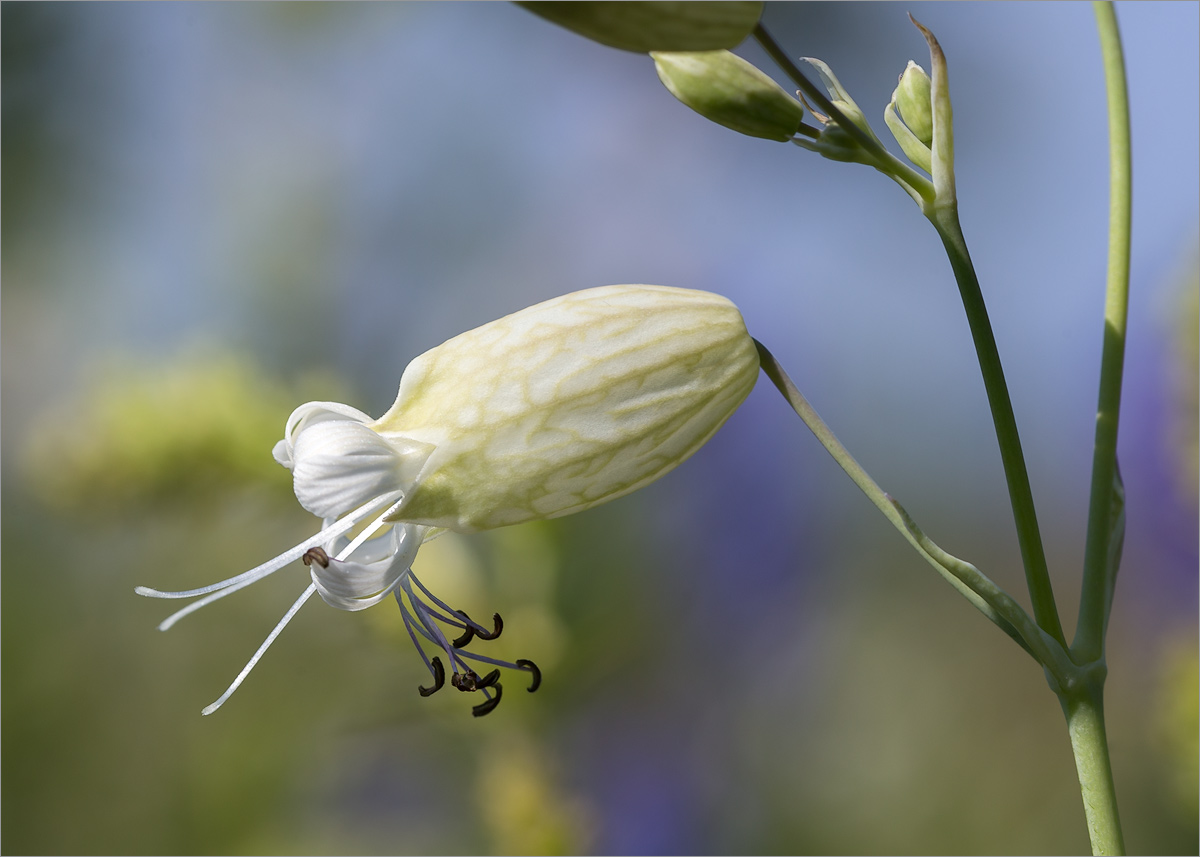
(497, 627)
(468, 633)
(318, 556)
(465, 681)
(487, 705)
(439, 679)
(533, 668)
(488, 680)
(472, 631)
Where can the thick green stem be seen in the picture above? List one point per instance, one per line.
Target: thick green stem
(1098, 571)
(1084, 707)
(945, 219)
(1084, 710)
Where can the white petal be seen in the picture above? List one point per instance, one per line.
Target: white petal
(339, 465)
(306, 415)
(352, 584)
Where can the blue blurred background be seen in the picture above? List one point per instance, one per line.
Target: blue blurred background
(215, 212)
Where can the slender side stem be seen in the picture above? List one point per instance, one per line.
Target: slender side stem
(1045, 611)
(1089, 743)
(975, 586)
(1097, 583)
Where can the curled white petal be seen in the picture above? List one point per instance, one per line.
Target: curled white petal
(365, 575)
(308, 414)
(338, 465)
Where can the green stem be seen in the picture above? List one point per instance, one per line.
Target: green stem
(1084, 710)
(1084, 706)
(1098, 571)
(1033, 556)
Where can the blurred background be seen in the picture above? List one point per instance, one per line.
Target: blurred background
(215, 212)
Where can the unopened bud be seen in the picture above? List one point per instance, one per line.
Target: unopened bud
(653, 25)
(912, 98)
(728, 90)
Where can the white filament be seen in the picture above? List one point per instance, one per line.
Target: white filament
(217, 591)
(287, 617)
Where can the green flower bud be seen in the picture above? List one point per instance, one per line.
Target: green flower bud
(655, 26)
(912, 98)
(728, 90)
(914, 149)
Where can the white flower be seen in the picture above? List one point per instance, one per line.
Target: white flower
(552, 410)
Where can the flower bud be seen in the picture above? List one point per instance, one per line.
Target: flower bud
(914, 149)
(568, 404)
(728, 90)
(653, 25)
(912, 98)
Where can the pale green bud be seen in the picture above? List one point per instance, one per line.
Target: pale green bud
(655, 26)
(728, 90)
(567, 404)
(912, 98)
(915, 150)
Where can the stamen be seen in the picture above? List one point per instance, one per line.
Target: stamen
(428, 628)
(480, 631)
(533, 668)
(488, 705)
(409, 624)
(488, 680)
(467, 636)
(316, 555)
(497, 627)
(421, 620)
(287, 617)
(474, 629)
(439, 679)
